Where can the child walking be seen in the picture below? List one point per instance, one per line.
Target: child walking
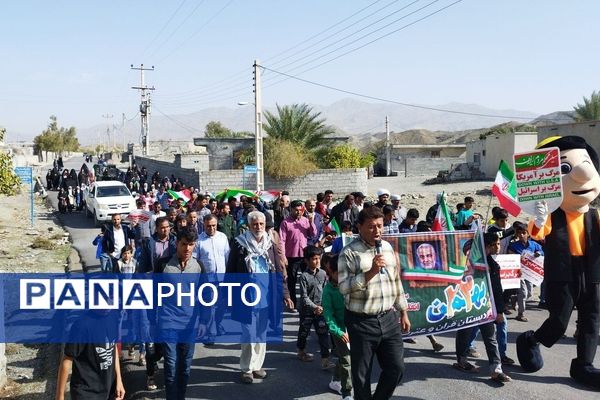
(128, 266)
(101, 255)
(488, 330)
(312, 283)
(333, 311)
(94, 367)
(520, 246)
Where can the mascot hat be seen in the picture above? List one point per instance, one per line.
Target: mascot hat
(568, 143)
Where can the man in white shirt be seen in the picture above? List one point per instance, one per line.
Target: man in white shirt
(157, 208)
(212, 251)
(399, 210)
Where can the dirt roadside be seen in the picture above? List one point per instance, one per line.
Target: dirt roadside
(45, 247)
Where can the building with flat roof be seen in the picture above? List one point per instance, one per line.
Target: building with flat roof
(589, 130)
(486, 154)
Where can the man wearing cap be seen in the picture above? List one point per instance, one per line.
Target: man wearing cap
(572, 277)
(399, 211)
(383, 196)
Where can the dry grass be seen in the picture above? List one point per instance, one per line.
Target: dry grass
(42, 243)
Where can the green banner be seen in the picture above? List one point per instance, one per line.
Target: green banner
(445, 279)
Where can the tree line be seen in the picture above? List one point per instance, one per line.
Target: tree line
(56, 139)
(297, 142)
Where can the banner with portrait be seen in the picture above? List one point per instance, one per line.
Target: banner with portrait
(445, 279)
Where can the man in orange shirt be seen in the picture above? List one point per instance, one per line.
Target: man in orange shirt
(573, 277)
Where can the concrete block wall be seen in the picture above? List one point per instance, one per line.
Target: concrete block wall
(341, 181)
(189, 176)
(199, 162)
(425, 166)
(217, 180)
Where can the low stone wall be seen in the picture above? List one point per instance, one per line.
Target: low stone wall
(341, 181)
(189, 176)
(424, 166)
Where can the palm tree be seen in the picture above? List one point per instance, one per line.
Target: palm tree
(590, 109)
(298, 124)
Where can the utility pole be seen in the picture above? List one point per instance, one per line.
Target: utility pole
(144, 108)
(107, 116)
(388, 148)
(123, 132)
(260, 176)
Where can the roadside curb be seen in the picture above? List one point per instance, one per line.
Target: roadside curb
(74, 258)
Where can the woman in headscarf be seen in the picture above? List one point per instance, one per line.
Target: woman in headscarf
(64, 184)
(49, 180)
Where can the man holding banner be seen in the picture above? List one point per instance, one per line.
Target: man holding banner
(369, 279)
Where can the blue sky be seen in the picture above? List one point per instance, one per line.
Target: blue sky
(72, 58)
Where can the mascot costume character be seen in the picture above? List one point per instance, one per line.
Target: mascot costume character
(572, 262)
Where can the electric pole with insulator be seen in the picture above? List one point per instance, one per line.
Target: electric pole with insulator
(144, 108)
(260, 173)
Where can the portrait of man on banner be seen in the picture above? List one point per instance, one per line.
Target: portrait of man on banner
(427, 256)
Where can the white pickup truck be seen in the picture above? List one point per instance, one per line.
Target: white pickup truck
(105, 198)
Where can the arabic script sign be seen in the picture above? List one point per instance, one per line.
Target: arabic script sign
(510, 270)
(538, 179)
(532, 268)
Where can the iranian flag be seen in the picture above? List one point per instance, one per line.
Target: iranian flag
(333, 227)
(442, 221)
(180, 195)
(505, 189)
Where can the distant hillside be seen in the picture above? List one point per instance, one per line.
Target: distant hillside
(558, 117)
(370, 141)
(350, 117)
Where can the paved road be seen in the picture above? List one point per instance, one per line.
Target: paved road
(428, 375)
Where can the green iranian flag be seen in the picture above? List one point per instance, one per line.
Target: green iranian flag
(505, 189)
(334, 227)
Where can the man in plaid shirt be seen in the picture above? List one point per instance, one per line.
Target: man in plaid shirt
(369, 279)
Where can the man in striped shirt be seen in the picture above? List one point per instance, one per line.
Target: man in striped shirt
(376, 309)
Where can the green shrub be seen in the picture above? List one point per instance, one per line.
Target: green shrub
(343, 156)
(284, 159)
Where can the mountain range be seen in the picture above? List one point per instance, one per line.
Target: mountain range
(349, 116)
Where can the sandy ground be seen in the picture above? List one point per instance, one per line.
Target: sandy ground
(31, 369)
(416, 195)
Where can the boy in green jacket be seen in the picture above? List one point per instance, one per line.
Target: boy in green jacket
(333, 311)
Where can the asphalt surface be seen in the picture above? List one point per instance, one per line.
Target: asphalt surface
(215, 369)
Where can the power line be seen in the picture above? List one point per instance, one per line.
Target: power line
(368, 43)
(328, 29)
(239, 87)
(347, 36)
(394, 101)
(177, 28)
(221, 95)
(132, 118)
(229, 82)
(162, 29)
(371, 129)
(179, 123)
(197, 30)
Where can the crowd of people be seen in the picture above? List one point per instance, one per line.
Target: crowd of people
(350, 295)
